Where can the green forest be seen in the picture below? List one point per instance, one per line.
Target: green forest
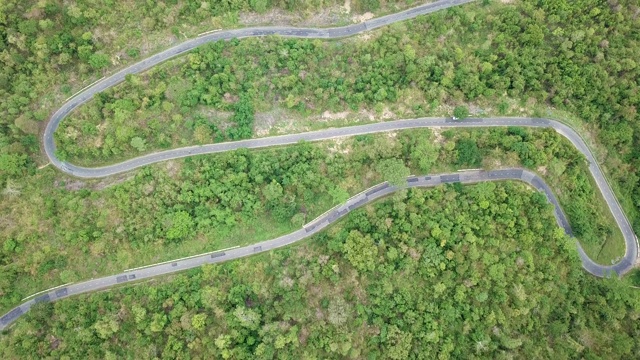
(49, 49)
(545, 55)
(209, 202)
(477, 271)
(424, 274)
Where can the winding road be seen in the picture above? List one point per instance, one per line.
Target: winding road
(367, 196)
(311, 228)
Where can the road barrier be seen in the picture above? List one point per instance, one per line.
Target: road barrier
(44, 291)
(184, 258)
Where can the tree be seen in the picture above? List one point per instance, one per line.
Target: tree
(243, 118)
(12, 164)
(394, 171)
(460, 112)
(247, 318)
(422, 149)
(338, 194)
(9, 245)
(398, 343)
(259, 6)
(468, 153)
(138, 143)
(199, 321)
(361, 251)
(26, 124)
(106, 327)
(273, 192)
(158, 322)
(367, 5)
(298, 219)
(68, 276)
(339, 311)
(179, 225)
(98, 61)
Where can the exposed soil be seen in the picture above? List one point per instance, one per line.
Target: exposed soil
(334, 116)
(362, 18)
(75, 184)
(323, 18)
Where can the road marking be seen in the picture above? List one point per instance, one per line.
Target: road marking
(84, 88)
(105, 283)
(595, 170)
(184, 258)
(208, 32)
(43, 291)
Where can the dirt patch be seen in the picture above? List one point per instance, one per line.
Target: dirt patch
(276, 121)
(364, 37)
(542, 170)
(219, 118)
(362, 18)
(230, 99)
(475, 110)
(387, 114)
(214, 114)
(287, 282)
(281, 121)
(491, 163)
(104, 35)
(54, 342)
(264, 122)
(71, 133)
(329, 16)
(323, 259)
(303, 336)
(368, 114)
(347, 6)
(414, 254)
(173, 168)
(339, 146)
(437, 134)
(328, 115)
(100, 137)
(75, 185)
(113, 180)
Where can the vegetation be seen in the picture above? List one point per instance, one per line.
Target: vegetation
(478, 271)
(50, 48)
(210, 202)
(550, 53)
(453, 272)
(460, 112)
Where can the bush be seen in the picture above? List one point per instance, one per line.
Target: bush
(461, 112)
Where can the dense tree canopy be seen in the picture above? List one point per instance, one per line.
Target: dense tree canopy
(49, 47)
(435, 274)
(184, 207)
(479, 271)
(544, 54)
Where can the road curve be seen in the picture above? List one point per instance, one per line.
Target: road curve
(631, 242)
(311, 228)
(292, 32)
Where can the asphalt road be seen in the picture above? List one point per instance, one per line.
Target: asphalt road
(310, 33)
(311, 228)
(624, 265)
(631, 242)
